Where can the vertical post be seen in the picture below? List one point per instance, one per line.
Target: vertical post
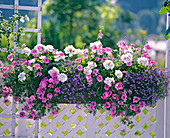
(13, 118)
(167, 100)
(39, 22)
(36, 128)
(91, 125)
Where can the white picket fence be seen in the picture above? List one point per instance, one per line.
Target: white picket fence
(72, 122)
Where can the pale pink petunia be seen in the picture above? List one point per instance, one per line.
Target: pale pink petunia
(85, 55)
(10, 57)
(129, 91)
(97, 58)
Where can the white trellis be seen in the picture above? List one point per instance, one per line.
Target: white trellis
(16, 5)
(72, 122)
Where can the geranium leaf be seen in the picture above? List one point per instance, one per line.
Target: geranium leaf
(167, 34)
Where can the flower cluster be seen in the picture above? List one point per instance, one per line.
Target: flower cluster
(121, 81)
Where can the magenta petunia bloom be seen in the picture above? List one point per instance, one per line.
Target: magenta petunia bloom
(85, 55)
(99, 78)
(91, 107)
(14, 63)
(10, 57)
(136, 99)
(38, 114)
(141, 104)
(46, 60)
(80, 67)
(119, 85)
(112, 115)
(113, 110)
(95, 71)
(22, 114)
(93, 103)
(120, 102)
(78, 60)
(113, 104)
(106, 87)
(44, 100)
(97, 58)
(129, 91)
(124, 97)
(57, 89)
(1, 64)
(115, 96)
(50, 95)
(31, 116)
(129, 63)
(106, 105)
(5, 101)
(26, 108)
(54, 74)
(32, 112)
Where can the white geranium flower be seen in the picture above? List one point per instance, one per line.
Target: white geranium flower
(49, 48)
(54, 69)
(70, 50)
(87, 70)
(92, 64)
(30, 68)
(118, 74)
(26, 51)
(143, 61)
(108, 64)
(109, 81)
(22, 76)
(62, 77)
(31, 61)
(42, 57)
(24, 18)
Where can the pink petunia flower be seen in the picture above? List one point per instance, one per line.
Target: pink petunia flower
(95, 71)
(57, 89)
(10, 57)
(93, 103)
(78, 60)
(120, 102)
(46, 60)
(31, 116)
(106, 105)
(1, 64)
(129, 63)
(141, 104)
(129, 91)
(99, 78)
(106, 87)
(103, 59)
(39, 74)
(119, 85)
(22, 114)
(113, 110)
(97, 58)
(34, 51)
(113, 104)
(136, 99)
(85, 55)
(49, 95)
(124, 97)
(14, 63)
(26, 108)
(54, 74)
(80, 67)
(115, 96)
(44, 100)
(91, 107)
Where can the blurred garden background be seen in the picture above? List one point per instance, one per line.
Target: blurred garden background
(76, 22)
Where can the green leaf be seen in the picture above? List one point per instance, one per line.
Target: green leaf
(167, 34)
(164, 10)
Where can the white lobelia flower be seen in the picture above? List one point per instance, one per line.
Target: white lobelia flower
(87, 70)
(54, 69)
(26, 51)
(92, 64)
(49, 48)
(118, 74)
(62, 77)
(143, 61)
(30, 68)
(31, 61)
(109, 81)
(24, 18)
(22, 76)
(42, 57)
(108, 64)
(70, 50)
